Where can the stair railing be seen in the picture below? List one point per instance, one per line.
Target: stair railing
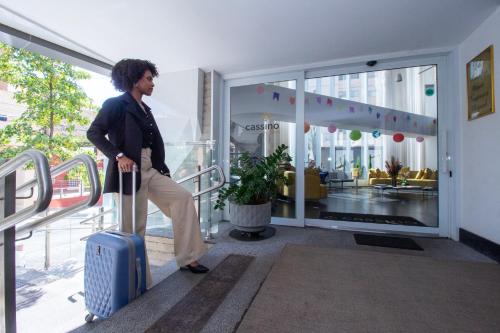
(95, 192)
(219, 184)
(43, 180)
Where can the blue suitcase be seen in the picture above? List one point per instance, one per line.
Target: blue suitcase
(115, 268)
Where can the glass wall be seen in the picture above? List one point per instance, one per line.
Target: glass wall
(371, 147)
(262, 118)
(48, 105)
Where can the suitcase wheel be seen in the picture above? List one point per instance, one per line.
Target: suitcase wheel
(89, 318)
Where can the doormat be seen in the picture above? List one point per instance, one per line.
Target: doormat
(193, 311)
(370, 218)
(385, 241)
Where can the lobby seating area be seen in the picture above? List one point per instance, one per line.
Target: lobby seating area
(424, 177)
(313, 189)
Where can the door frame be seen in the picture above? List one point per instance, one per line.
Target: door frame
(445, 140)
(298, 77)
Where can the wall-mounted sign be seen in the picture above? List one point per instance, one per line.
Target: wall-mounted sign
(261, 127)
(480, 87)
(3, 117)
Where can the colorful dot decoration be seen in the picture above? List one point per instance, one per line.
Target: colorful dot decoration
(398, 137)
(355, 135)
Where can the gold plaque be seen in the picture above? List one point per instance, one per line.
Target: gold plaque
(480, 85)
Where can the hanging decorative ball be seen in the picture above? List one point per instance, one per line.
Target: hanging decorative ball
(398, 137)
(376, 134)
(307, 127)
(419, 139)
(429, 89)
(332, 128)
(355, 135)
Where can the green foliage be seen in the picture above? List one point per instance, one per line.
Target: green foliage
(358, 163)
(259, 179)
(54, 104)
(80, 172)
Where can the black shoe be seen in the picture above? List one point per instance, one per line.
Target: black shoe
(200, 269)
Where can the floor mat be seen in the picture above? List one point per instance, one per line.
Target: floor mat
(192, 312)
(386, 241)
(325, 289)
(370, 218)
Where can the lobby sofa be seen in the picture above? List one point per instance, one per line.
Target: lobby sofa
(424, 178)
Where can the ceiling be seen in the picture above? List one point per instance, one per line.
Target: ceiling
(234, 36)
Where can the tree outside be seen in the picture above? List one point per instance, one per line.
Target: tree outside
(55, 105)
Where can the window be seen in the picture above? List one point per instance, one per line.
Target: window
(341, 77)
(355, 76)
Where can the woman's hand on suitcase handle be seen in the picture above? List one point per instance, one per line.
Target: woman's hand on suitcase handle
(125, 164)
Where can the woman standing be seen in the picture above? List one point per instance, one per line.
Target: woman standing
(133, 138)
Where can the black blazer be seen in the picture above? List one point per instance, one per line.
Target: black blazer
(117, 119)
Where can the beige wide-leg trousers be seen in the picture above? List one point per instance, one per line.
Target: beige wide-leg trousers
(175, 202)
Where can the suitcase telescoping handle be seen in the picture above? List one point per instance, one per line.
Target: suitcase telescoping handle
(120, 199)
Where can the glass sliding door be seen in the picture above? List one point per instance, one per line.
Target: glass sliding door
(371, 147)
(262, 117)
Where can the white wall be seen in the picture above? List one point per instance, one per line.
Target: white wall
(478, 205)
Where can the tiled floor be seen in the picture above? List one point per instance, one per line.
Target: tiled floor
(365, 200)
(143, 312)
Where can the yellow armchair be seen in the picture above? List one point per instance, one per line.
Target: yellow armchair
(313, 189)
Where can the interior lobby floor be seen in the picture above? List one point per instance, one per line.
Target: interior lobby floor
(233, 310)
(422, 206)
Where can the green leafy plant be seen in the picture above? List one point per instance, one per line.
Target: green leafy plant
(358, 163)
(259, 179)
(56, 107)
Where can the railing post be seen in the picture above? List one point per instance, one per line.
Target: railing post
(47, 246)
(101, 218)
(8, 257)
(197, 187)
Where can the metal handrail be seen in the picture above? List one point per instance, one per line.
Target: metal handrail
(95, 192)
(32, 192)
(222, 181)
(93, 217)
(43, 180)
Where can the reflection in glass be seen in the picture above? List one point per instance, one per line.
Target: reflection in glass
(262, 118)
(357, 122)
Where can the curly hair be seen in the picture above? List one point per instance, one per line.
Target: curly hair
(127, 72)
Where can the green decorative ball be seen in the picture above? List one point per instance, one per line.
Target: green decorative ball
(355, 135)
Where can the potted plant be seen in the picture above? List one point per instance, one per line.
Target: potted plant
(393, 167)
(251, 195)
